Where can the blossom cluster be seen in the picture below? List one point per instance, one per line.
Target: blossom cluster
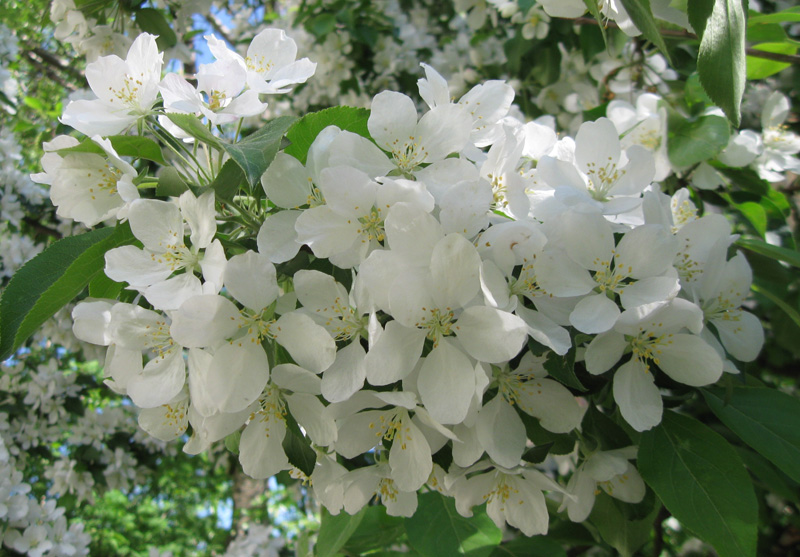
(391, 297)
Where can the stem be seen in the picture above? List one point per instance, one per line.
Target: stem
(173, 145)
(672, 33)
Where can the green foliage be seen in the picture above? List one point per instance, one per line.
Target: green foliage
(51, 280)
(693, 141)
(437, 529)
(766, 419)
(335, 530)
(702, 482)
(303, 132)
(124, 145)
(721, 59)
(255, 152)
(617, 530)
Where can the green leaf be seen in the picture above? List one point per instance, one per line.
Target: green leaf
(152, 21)
(692, 141)
(334, 531)
(759, 68)
(790, 14)
(436, 529)
(52, 279)
(322, 24)
(594, 9)
(766, 419)
(624, 535)
(538, 453)
(232, 441)
(556, 443)
(376, 530)
(170, 183)
(721, 59)
(754, 213)
(125, 146)
(766, 33)
(773, 480)
(699, 11)
(603, 430)
(298, 448)
(537, 546)
(642, 16)
(789, 256)
(227, 182)
(793, 314)
(103, 287)
(192, 125)
(255, 152)
(702, 481)
(303, 132)
(562, 369)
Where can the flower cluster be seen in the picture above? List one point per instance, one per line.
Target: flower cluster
(401, 294)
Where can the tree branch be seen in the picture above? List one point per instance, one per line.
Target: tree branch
(672, 33)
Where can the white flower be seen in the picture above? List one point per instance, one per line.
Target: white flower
(126, 90)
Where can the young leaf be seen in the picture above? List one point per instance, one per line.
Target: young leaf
(334, 531)
(692, 141)
(766, 419)
(702, 482)
(538, 546)
(298, 448)
(436, 529)
(759, 68)
(227, 182)
(192, 125)
(170, 183)
(626, 536)
(789, 256)
(152, 21)
(642, 16)
(125, 146)
(255, 152)
(376, 530)
(303, 132)
(562, 369)
(721, 59)
(594, 9)
(52, 279)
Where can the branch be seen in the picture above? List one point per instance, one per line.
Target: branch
(217, 26)
(37, 62)
(672, 33)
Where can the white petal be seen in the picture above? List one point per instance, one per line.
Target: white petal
(260, 448)
(346, 375)
(501, 432)
(237, 375)
(410, 457)
(741, 334)
(637, 396)
(204, 321)
(311, 346)
(594, 314)
(394, 355)
(251, 279)
(446, 383)
(309, 413)
(491, 335)
(689, 359)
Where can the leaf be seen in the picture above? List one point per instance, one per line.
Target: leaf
(692, 141)
(790, 311)
(152, 21)
(298, 448)
(642, 17)
(436, 529)
(125, 146)
(773, 480)
(759, 68)
(192, 125)
(52, 279)
(537, 546)
(227, 182)
(624, 535)
(791, 14)
(766, 419)
(303, 132)
(334, 531)
(721, 58)
(170, 183)
(594, 9)
(376, 530)
(562, 369)
(699, 11)
(702, 482)
(103, 287)
(604, 430)
(789, 256)
(255, 152)
(232, 441)
(538, 453)
(556, 443)
(755, 214)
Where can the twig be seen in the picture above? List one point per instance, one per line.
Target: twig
(754, 52)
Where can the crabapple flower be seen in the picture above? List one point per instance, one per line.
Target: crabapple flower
(159, 225)
(653, 336)
(126, 90)
(270, 62)
(87, 187)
